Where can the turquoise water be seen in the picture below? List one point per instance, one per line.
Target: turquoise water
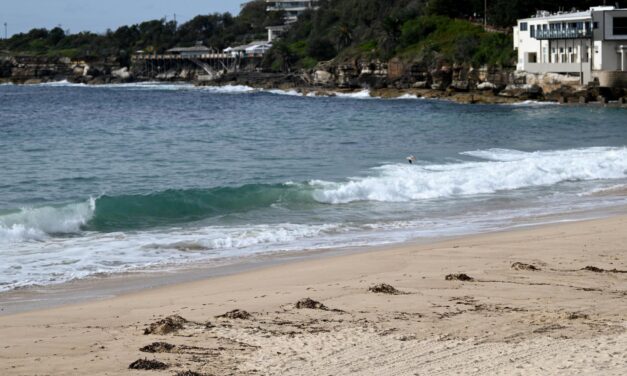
(115, 178)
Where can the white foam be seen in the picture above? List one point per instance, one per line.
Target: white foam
(156, 85)
(61, 259)
(532, 103)
(504, 170)
(408, 96)
(62, 83)
(363, 94)
(229, 89)
(292, 92)
(38, 223)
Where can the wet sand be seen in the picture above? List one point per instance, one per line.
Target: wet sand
(543, 300)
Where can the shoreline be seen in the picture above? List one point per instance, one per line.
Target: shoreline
(481, 97)
(558, 317)
(98, 287)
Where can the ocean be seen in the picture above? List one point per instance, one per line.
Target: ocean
(142, 177)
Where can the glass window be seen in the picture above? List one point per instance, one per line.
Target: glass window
(620, 25)
(523, 26)
(532, 31)
(596, 25)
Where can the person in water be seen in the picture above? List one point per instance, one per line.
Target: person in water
(411, 159)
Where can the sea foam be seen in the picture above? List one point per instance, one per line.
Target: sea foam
(38, 223)
(500, 170)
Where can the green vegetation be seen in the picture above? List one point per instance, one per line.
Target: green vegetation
(423, 31)
(443, 40)
(216, 30)
(429, 32)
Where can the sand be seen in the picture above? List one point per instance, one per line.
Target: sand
(558, 319)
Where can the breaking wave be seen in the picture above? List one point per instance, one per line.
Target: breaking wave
(40, 223)
(499, 170)
(492, 170)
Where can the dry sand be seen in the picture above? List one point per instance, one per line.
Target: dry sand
(560, 319)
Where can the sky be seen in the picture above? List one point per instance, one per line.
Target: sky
(100, 15)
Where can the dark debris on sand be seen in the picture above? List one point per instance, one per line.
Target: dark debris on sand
(147, 364)
(158, 347)
(166, 326)
(188, 373)
(577, 316)
(384, 288)
(309, 303)
(523, 266)
(594, 269)
(459, 277)
(236, 314)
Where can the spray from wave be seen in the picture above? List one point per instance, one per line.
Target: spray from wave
(501, 170)
(39, 223)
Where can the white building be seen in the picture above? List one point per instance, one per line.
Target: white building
(254, 49)
(292, 8)
(590, 44)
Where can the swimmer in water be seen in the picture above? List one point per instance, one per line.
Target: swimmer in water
(411, 159)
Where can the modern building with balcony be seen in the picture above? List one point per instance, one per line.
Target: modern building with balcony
(292, 8)
(589, 44)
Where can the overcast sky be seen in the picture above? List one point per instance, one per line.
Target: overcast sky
(99, 15)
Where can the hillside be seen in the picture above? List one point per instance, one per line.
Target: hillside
(424, 31)
(429, 32)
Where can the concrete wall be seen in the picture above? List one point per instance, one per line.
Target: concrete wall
(611, 78)
(575, 68)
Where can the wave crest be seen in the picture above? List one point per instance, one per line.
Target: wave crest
(501, 170)
(39, 223)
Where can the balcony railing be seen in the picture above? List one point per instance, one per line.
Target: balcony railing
(563, 34)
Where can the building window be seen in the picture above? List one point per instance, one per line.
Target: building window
(532, 31)
(620, 25)
(532, 57)
(596, 25)
(523, 26)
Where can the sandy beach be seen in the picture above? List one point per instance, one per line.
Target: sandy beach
(542, 300)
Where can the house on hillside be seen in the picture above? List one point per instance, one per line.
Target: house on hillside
(590, 44)
(252, 49)
(196, 50)
(292, 9)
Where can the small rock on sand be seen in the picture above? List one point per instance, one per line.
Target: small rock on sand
(309, 303)
(459, 277)
(523, 266)
(147, 364)
(384, 288)
(166, 326)
(158, 347)
(576, 316)
(236, 314)
(188, 373)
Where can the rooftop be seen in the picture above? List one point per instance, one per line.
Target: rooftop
(196, 48)
(567, 15)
